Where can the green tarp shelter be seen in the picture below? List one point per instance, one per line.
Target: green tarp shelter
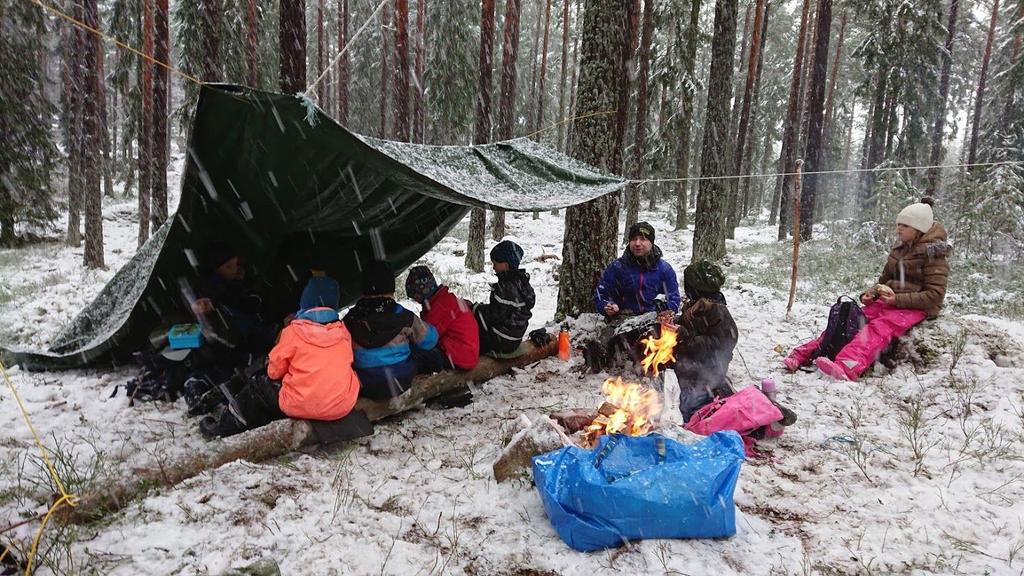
(288, 188)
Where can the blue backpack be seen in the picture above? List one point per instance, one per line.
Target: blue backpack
(845, 319)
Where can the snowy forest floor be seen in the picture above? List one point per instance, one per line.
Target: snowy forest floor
(916, 471)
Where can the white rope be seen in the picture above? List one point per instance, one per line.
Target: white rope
(310, 90)
(847, 171)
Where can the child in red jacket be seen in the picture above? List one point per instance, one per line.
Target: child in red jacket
(309, 374)
(452, 317)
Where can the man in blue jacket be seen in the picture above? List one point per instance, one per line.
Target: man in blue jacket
(630, 287)
(630, 284)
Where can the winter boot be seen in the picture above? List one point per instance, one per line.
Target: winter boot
(831, 369)
(220, 424)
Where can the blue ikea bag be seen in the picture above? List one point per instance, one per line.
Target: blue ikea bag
(637, 487)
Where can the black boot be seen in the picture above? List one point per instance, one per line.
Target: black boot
(220, 424)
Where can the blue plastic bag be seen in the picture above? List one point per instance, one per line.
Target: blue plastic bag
(630, 488)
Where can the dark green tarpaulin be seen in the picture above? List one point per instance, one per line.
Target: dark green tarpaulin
(290, 189)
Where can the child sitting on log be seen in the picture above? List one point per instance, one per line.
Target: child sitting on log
(390, 343)
(458, 339)
(504, 320)
(309, 374)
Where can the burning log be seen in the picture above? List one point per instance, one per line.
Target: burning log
(628, 409)
(283, 436)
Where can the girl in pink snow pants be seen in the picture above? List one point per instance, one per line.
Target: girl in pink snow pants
(916, 271)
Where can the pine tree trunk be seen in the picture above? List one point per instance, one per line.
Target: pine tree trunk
(561, 82)
(534, 47)
(482, 131)
(787, 156)
(741, 65)
(636, 172)
(742, 131)
(292, 40)
(979, 98)
(506, 106)
(805, 83)
(144, 138)
(343, 75)
(683, 145)
(385, 24)
(749, 144)
(418, 116)
(251, 53)
(586, 246)
(876, 147)
(815, 122)
(401, 87)
(543, 71)
(573, 84)
(161, 96)
(212, 12)
(622, 119)
(92, 157)
(321, 47)
(939, 125)
(107, 164)
(713, 193)
(764, 182)
(826, 160)
(72, 70)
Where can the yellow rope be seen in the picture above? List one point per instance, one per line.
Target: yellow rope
(570, 119)
(101, 34)
(65, 498)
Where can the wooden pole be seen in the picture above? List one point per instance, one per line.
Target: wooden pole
(283, 436)
(797, 184)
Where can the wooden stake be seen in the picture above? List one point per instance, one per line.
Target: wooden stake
(797, 185)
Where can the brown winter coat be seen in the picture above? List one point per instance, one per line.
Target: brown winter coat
(917, 272)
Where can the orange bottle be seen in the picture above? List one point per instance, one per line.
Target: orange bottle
(564, 349)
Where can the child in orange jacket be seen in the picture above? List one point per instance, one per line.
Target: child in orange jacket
(309, 374)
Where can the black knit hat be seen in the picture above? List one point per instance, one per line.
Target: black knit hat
(702, 278)
(641, 229)
(507, 251)
(378, 279)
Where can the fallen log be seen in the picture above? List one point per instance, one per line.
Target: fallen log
(283, 436)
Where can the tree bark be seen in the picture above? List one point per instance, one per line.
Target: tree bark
(787, 156)
(251, 36)
(876, 146)
(587, 246)
(829, 122)
(343, 74)
(482, 131)
(734, 115)
(146, 126)
(543, 72)
(283, 436)
(815, 107)
(732, 213)
(633, 189)
(321, 47)
(92, 157)
(713, 193)
(939, 125)
(561, 82)
(161, 96)
(573, 84)
(401, 88)
(385, 23)
(418, 116)
(748, 153)
(72, 69)
(292, 40)
(979, 98)
(535, 47)
(507, 104)
(683, 145)
(212, 13)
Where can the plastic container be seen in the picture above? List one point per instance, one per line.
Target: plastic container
(768, 388)
(182, 336)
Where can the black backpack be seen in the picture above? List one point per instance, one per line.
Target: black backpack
(845, 319)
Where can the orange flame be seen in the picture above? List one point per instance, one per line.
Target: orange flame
(660, 350)
(628, 409)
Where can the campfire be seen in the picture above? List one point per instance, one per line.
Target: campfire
(630, 408)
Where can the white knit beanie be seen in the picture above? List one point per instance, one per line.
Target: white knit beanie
(918, 216)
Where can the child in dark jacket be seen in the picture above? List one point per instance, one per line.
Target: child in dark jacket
(387, 339)
(504, 320)
(458, 337)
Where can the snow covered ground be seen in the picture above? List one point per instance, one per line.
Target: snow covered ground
(915, 472)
